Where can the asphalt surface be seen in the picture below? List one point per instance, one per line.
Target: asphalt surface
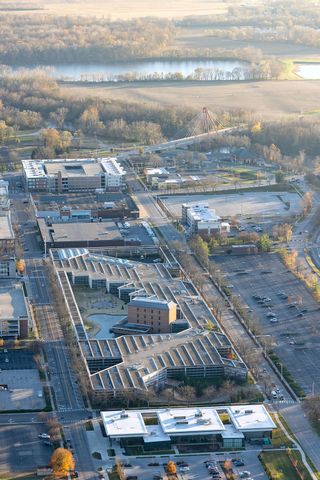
(20, 448)
(70, 409)
(295, 335)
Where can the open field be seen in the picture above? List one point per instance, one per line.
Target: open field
(142, 8)
(268, 99)
(201, 37)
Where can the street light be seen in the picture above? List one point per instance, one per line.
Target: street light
(264, 347)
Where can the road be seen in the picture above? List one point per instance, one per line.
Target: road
(69, 406)
(292, 412)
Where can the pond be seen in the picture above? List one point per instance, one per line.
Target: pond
(153, 69)
(105, 322)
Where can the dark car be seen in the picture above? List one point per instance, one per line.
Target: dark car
(132, 477)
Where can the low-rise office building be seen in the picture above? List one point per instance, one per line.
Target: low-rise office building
(14, 311)
(134, 363)
(149, 430)
(74, 207)
(7, 246)
(4, 195)
(202, 220)
(61, 234)
(159, 314)
(73, 175)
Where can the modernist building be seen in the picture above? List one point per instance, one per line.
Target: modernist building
(202, 220)
(73, 175)
(159, 314)
(134, 363)
(14, 312)
(150, 430)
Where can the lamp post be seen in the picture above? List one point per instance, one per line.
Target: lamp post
(264, 347)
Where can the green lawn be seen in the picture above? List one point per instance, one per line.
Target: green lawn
(279, 466)
(279, 437)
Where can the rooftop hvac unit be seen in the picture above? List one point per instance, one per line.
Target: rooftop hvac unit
(180, 417)
(198, 413)
(182, 422)
(203, 421)
(248, 411)
(123, 414)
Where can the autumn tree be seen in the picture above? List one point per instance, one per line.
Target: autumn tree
(171, 468)
(90, 119)
(264, 243)
(62, 462)
(307, 202)
(282, 232)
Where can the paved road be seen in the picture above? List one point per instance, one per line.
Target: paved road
(69, 404)
(294, 414)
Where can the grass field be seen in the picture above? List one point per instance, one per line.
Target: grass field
(267, 99)
(280, 467)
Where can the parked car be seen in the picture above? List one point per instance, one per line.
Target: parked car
(244, 474)
(43, 435)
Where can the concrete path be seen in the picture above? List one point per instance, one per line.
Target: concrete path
(306, 436)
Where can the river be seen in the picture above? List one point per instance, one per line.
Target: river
(222, 69)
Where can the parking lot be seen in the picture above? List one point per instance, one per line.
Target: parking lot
(21, 390)
(21, 450)
(142, 469)
(284, 308)
(266, 204)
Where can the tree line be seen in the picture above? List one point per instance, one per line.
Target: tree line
(32, 39)
(285, 20)
(263, 70)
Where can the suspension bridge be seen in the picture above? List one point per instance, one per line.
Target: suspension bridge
(204, 125)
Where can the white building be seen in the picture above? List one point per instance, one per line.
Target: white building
(114, 173)
(202, 220)
(223, 426)
(34, 175)
(73, 175)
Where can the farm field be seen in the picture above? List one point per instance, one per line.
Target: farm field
(267, 99)
(122, 9)
(201, 37)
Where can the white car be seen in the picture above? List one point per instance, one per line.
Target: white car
(273, 320)
(184, 469)
(244, 474)
(44, 435)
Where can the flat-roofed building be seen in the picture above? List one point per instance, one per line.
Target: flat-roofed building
(7, 246)
(14, 312)
(159, 314)
(202, 219)
(160, 429)
(93, 234)
(35, 177)
(114, 173)
(73, 175)
(4, 195)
